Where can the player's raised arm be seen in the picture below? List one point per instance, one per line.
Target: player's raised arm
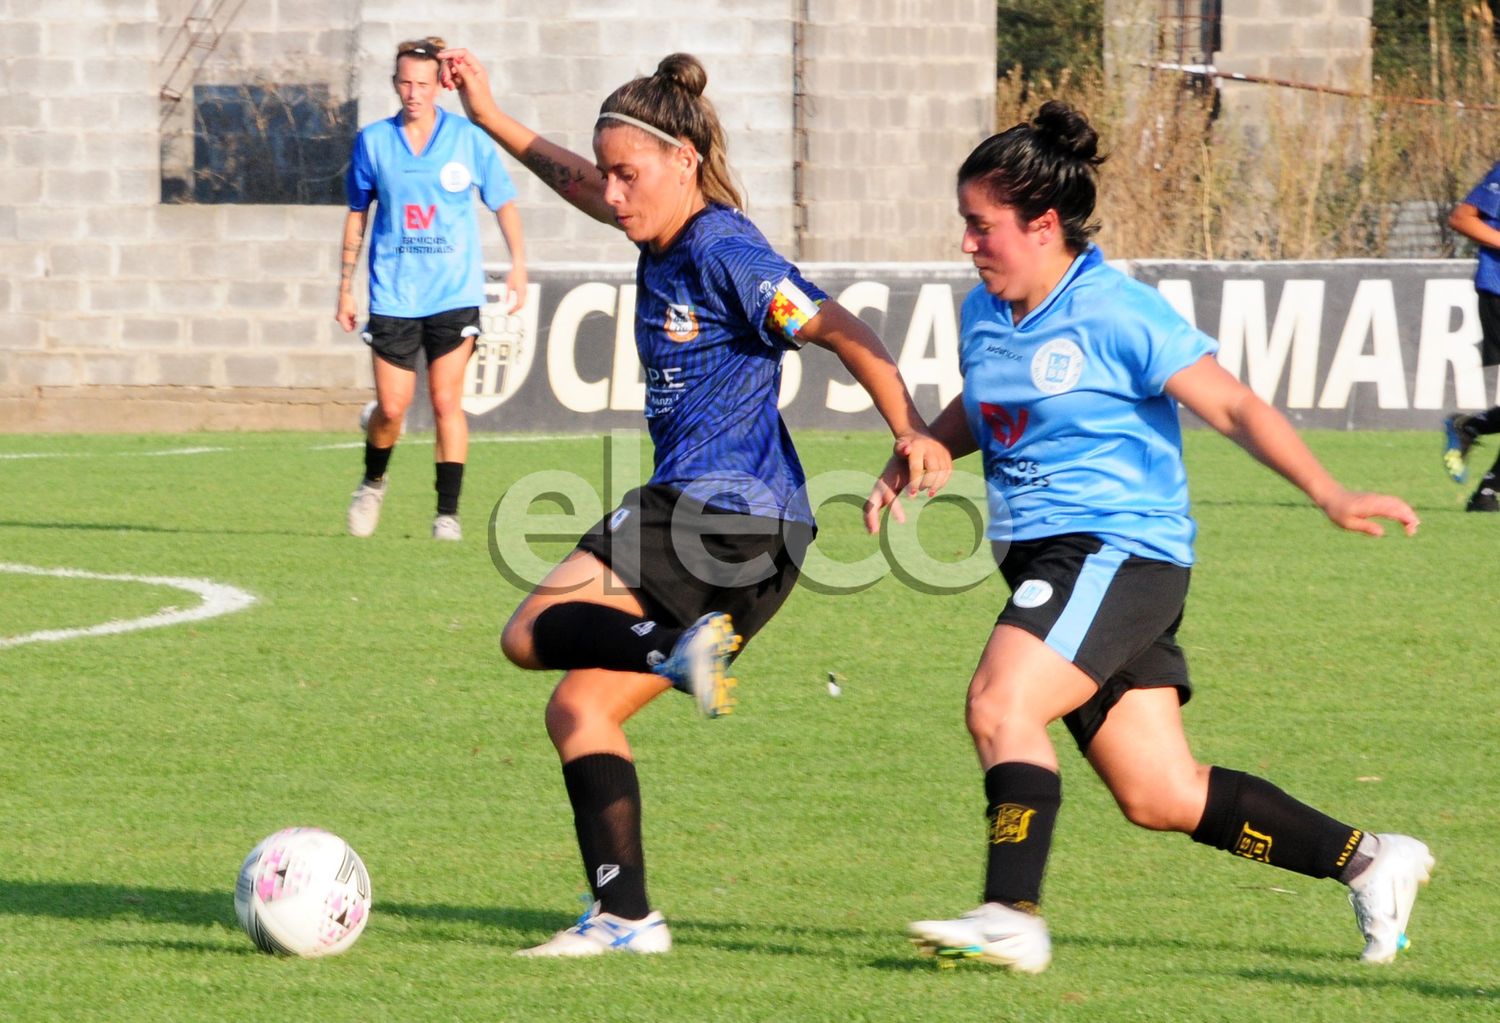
(1234, 410)
(569, 174)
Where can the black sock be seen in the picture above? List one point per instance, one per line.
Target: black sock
(1023, 804)
(606, 798)
(1486, 422)
(1250, 817)
(376, 460)
(1491, 481)
(450, 480)
(583, 635)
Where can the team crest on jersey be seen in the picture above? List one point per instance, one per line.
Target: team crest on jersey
(682, 322)
(1057, 365)
(455, 177)
(1007, 428)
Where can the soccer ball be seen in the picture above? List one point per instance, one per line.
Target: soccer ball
(303, 892)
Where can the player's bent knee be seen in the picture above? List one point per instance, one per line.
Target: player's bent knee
(1161, 808)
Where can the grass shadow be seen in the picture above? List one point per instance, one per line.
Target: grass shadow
(82, 900)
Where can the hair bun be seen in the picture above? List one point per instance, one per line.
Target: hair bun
(685, 71)
(1068, 129)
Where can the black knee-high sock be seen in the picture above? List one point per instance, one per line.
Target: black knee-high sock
(1023, 803)
(450, 480)
(1491, 480)
(582, 635)
(606, 798)
(1250, 817)
(376, 461)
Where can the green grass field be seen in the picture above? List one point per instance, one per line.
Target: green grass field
(788, 845)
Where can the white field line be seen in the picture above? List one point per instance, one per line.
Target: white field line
(99, 454)
(218, 599)
(480, 438)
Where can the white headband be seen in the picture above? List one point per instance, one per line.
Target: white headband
(651, 128)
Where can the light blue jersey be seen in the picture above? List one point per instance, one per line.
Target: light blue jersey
(1069, 411)
(714, 314)
(425, 255)
(1486, 199)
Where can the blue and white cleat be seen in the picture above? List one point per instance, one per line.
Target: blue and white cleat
(1458, 438)
(993, 933)
(596, 933)
(699, 664)
(1382, 896)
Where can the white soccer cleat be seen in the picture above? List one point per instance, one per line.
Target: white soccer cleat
(699, 663)
(1382, 896)
(992, 934)
(446, 527)
(596, 933)
(364, 507)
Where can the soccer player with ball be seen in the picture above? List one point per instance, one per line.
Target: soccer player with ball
(660, 593)
(1072, 377)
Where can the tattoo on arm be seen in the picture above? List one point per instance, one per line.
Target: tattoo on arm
(557, 176)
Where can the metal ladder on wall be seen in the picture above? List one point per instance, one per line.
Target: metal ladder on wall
(202, 27)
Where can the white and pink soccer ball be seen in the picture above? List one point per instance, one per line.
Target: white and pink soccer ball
(303, 892)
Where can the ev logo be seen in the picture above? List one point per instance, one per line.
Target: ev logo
(419, 218)
(455, 177)
(1006, 428)
(1057, 366)
(1032, 593)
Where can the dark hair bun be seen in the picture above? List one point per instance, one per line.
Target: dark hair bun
(1067, 129)
(685, 71)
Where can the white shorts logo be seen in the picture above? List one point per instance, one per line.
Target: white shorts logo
(618, 517)
(1032, 593)
(1056, 366)
(455, 177)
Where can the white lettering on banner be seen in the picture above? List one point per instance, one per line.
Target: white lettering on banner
(791, 378)
(572, 391)
(853, 398)
(932, 318)
(1372, 314)
(1439, 347)
(1179, 295)
(628, 388)
(1296, 330)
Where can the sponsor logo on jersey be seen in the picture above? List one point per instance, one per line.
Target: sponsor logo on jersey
(419, 218)
(682, 322)
(1057, 365)
(455, 177)
(1007, 428)
(1012, 823)
(1032, 593)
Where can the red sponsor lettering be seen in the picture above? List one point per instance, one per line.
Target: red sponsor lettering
(419, 218)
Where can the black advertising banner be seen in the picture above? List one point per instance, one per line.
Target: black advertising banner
(1352, 344)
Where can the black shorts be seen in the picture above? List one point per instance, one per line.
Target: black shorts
(683, 559)
(1489, 325)
(397, 339)
(1113, 614)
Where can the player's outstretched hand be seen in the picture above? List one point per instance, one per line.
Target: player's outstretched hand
(887, 493)
(928, 462)
(1357, 512)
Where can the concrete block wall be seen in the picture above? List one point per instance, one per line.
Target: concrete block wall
(114, 304)
(895, 96)
(1314, 42)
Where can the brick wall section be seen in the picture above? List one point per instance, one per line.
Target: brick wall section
(108, 292)
(897, 94)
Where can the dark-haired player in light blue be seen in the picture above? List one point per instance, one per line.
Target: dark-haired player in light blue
(662, 590)
(415, 174)
(1072, 375)
(1478, 219)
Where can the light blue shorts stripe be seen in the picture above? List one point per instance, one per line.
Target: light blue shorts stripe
(1098, 571)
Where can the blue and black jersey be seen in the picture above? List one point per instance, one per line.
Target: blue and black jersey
(714, 314)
